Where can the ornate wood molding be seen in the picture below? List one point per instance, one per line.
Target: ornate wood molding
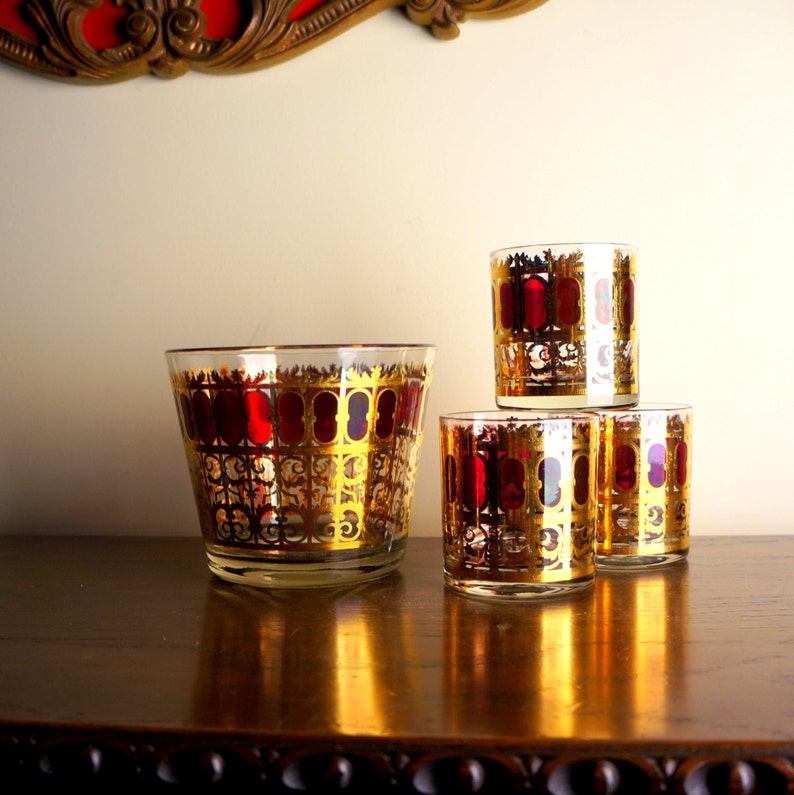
(105, 41)
(59, 760)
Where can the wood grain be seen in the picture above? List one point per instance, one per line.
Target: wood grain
(104, 640)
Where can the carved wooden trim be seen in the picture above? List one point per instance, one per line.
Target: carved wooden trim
(88, 41)
(131, 762)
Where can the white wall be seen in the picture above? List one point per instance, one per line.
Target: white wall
(353, 194)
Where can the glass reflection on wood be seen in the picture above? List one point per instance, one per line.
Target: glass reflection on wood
(592, 665)
(296, 661)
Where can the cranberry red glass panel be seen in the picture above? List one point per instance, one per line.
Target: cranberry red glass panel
(387, 406)
(569, 310)
(535, 316)
(625, 467)
(230, 418)
(202, 412)
(506, 305)
(681, 463)
(325, 422)
(474, 488)
(628, 302)
(581, 480)
(257, 409)
(292, 427)
(512, 476)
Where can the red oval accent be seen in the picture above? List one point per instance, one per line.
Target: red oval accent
(384, 424)
(625, 463)
(291, 426)
(681, 463)
(473, 481)
(257, 409)
(568, 294)
(511, 483)
(627, 310)
(603, 297)
(657, 456)
(187, 417)
(450, 479)
(550, 474)
(357, 409)
(506, 314)
(581, 480)
(325, 405)
(230, 417)
(535, 303)
(202, 411)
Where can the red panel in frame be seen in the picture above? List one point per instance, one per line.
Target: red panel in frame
(106, 41)
(225, 18)
(304, 7)
(104, 25)
(12, 19)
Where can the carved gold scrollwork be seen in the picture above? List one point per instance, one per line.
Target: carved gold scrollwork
(167, 38)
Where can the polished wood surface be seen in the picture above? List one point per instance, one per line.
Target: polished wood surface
(674, 671)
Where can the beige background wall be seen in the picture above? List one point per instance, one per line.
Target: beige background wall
(353, 194)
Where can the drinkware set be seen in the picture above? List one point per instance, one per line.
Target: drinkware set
(570, 471)
(303, 459)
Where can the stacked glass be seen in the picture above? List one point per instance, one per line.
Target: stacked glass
(571, 470)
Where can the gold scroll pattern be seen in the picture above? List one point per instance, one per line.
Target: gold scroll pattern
(492, 534)
(652, 516)
(320, 459)
(547, 355)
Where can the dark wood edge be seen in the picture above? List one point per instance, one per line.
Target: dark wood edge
(147, 761)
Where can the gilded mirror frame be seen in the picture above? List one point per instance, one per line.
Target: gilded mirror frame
(106, 41)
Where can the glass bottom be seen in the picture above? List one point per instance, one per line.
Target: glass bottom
(565, 401)
(629, 561)
(317, 570)
(516, 591)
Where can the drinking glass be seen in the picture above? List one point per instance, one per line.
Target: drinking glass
(519, 510)
(303, 459)
(644, 481)
(565, 326)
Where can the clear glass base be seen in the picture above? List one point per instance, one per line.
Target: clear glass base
(317, 570)
(633, 561)
(565, 401)
(516, 591)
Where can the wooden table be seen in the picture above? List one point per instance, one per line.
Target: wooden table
(123, 663)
